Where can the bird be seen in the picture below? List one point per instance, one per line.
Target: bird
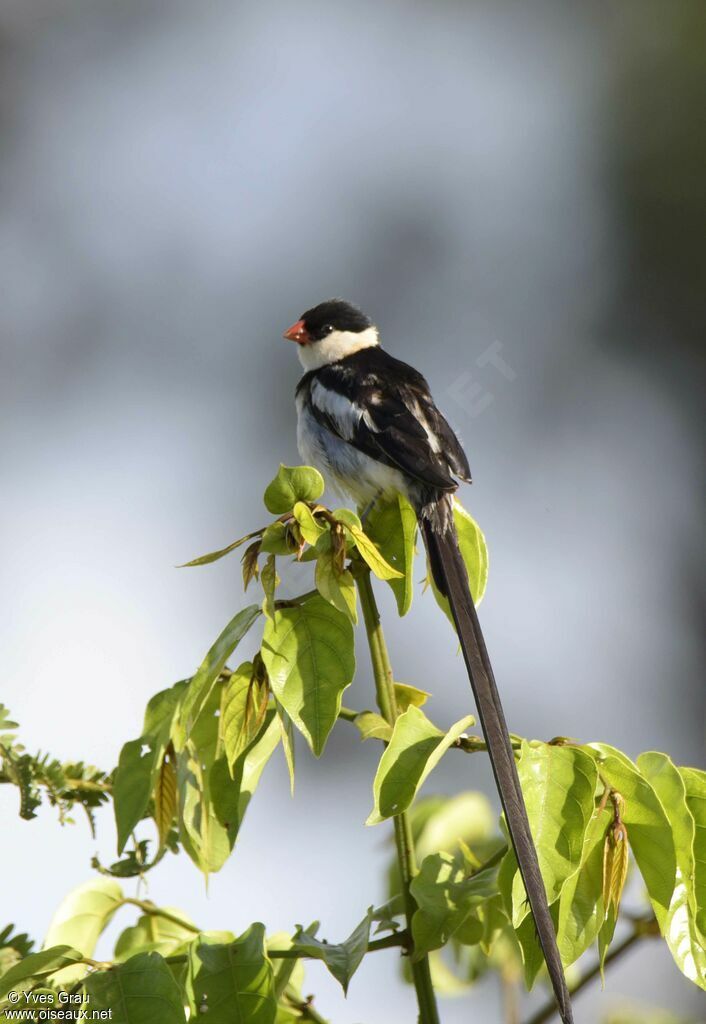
(369, 423)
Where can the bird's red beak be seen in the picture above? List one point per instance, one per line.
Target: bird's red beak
(297, 332)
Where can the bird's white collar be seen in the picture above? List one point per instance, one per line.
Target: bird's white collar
(337, 345)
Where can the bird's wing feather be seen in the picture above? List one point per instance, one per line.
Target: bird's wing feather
(384, 408)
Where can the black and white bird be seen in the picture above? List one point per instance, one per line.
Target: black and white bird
(369, 423)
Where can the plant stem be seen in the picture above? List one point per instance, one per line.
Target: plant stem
(384, 686)
(642, 929)
(388, 942)
(153, 911)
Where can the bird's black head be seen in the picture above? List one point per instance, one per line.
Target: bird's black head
(320, 321)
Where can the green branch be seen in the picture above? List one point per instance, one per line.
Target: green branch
(385, 690)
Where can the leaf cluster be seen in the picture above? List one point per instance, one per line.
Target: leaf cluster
(596, 816)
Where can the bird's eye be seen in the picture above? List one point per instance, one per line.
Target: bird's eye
(327, 328)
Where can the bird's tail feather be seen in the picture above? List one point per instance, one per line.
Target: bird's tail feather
(450, 576)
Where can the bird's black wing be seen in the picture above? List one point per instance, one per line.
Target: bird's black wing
(384, 408)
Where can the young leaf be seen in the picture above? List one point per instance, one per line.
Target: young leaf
(342, 959)
(336, 587)
(292, 484)
(287, 730)
(373, 726)
(392, 526)
(7, 727)
(372, 556)
(213, 556)
(249, 565)
(309, 525)
(446, 896)
(415, 749)
(648, 827)
(140, 991)
(558, 784)
(233, 982)
(276, 540)
(308, 652)
(270, 581)
(165, 792)
(615, 866)
(406, 695)
(202, 683)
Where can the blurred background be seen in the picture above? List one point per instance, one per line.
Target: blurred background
(516, 194)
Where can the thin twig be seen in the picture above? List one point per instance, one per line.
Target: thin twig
(154, 911)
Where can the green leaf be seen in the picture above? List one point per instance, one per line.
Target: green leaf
(649, 831)
(558, 784)
(695, 785)
(141, 759)
(288, 971)
(161, 710)
(581, 910)
(7, 727)
(474, 550)
(165, 793)
(415, 749)
(679, 925)
(293, 484)
(232, 983)
(338, 588)
(81, 918)
(373, 726)
(134, 783)
(406, 695)
(230, 797)
(467, 817)
(276, 540)
(202, 683)
(287, 731)
(530, 949)
(213, 556)
(392, 526)
(38, 965)
(372, 556)
(343, 958)
(446, 897)
(270, 581)
(243, 707)
(153, 933)
(204, 838)
(140, 991)
(309, 525)
(308, 652)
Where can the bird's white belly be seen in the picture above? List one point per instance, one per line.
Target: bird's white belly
(345, 468)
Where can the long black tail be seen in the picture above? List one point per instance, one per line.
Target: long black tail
(451, 578)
